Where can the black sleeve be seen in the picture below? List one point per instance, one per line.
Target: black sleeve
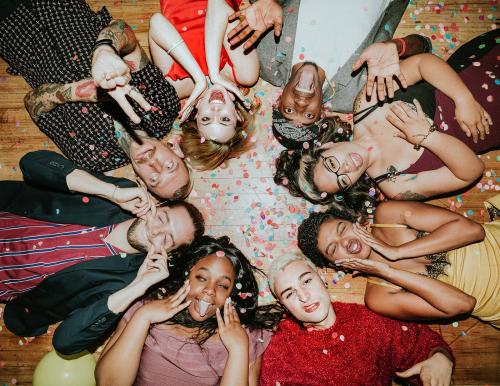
(47, 169)
(85, 328)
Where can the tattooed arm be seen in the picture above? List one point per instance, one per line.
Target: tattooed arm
(46, 97)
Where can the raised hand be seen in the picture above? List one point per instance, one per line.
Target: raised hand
(159, 311)
(153, 269)
(389, 252)
(112, 74)
(383, 66)
(435, 371)
(473, 118)
(254, 21)
(413, 125)
(135, 200)
(371, 267)
(232, 334)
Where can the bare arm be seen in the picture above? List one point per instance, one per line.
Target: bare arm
(254, 372)
(48, 96)
(442, 224)
(215, 28)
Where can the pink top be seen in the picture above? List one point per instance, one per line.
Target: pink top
(168, 359)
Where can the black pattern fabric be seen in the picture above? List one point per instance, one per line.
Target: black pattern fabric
(50, 41)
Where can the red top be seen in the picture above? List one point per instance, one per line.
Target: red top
(31, 250)
(361, 348)
(188, 17)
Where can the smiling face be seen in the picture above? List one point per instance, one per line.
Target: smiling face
(300, 289)
(159, 166)
(217, 116)
(170, 229)
(337, 240)
(211, 280)
(340, 166)
(301, 99)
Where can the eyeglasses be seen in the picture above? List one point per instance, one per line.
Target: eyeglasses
(332, 164)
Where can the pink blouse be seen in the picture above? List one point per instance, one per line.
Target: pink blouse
(169, 359)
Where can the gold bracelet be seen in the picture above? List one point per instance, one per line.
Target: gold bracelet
(432, 128)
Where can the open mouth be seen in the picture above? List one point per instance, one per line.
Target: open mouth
(311, 307)
(354, 246)
(203, 307)
(305, 83)
(217, 96)
(357, 160)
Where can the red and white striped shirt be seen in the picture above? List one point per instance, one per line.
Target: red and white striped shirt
(31, 250)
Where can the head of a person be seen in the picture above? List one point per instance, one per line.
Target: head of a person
(301, 100)
(295, 282)
(221, 129)
(297, 170)
(328, 236)
(174, 226)
(161, 168)
(216, 270)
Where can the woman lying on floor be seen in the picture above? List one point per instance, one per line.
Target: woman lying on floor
(423, 262)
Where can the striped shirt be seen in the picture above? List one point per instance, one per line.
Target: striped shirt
(31, 250)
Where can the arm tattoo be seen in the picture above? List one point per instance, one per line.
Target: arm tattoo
(122, 137)
(45, 98)
(409, 196)
(121, 34)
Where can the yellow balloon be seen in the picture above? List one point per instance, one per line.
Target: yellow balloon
(55, 369)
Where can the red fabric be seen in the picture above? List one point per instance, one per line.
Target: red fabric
(188, 17)
(31, 250)
(361, 348)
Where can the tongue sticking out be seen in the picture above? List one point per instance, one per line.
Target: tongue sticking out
(203, 307)
(306, 81)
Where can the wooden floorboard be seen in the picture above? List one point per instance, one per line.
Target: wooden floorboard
(242, 201)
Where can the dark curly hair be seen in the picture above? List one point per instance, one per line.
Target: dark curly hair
(294, 170)
(244, 298)
(309, 230)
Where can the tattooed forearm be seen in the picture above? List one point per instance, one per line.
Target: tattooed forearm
(121, 35)
(409, 196)
(123, 138)
(85, 90)
(45, 98)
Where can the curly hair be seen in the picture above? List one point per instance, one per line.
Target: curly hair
(295, 171)
(244, 296)
(309, 230)
(209, 154)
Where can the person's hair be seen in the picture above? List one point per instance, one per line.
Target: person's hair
(295, 171)
(244, 295)
(280, 263)
(209, 154)
(309, 230)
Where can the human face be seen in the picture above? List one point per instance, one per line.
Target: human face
(217, 116)
(300, 101)
(341, 165)
(167, 230)
(337, 240)
(300, 289)
(159, 166)
(211, 281)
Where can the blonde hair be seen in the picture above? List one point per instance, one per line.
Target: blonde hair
(208, 155)
(280, 263)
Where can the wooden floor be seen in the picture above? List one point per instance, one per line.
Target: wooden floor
(242, 201)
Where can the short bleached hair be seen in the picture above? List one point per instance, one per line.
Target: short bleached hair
(280, 263)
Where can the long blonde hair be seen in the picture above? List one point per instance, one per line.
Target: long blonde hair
(208, 154)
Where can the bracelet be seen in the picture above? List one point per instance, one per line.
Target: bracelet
(104, 42)
(175, 46)
(432, 128)
(113, 194)
(403, 46)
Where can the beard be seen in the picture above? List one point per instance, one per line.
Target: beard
(133, 236)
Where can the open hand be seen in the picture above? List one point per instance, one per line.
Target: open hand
(413, 125)
(159, 311)
(199, 88)
(435, 371)
(383, 66)
(232, 334)
(389, 252)
(135, 200)
(254, 21)
(370, 267)
(153, 269)
(473, 118)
